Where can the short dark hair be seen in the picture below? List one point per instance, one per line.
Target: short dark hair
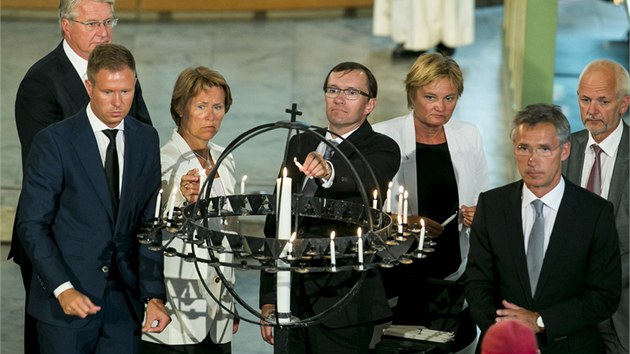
(112, 57)
(348, 66)
(544, 113)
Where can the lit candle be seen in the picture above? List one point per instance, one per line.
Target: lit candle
(360, 248)
(243, 184)
(333, 260)
(421, 240)
(158, 205)
(389, 198)
(171, 205)
(374, 202)
(405, 207)
(289, 247)
(401, 190)
(400, 225)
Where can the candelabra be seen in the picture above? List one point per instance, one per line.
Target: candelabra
(377, 247)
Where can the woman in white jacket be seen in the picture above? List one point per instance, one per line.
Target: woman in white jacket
(443, 168)
(201, 98)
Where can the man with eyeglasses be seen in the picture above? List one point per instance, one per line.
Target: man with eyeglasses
(544, 251)
(350, 95)
(599, 162)
(53, 89)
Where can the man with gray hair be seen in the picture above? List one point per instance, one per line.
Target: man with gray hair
(53, 89)
(544, 251)
(599, 162)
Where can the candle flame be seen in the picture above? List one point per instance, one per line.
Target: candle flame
(375, 194)
(359, 231)
(406, 195)
(401, 189)
(293, 236)
(284, 172)
(245, 178)
(391, 183)
(422, 222)
(332, 235)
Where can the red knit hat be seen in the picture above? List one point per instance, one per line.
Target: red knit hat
(509, 337)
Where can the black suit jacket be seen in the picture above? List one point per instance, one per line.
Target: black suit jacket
(618, 196)
(580, 280)
(50, 91)
(314, 293)
(66, 221)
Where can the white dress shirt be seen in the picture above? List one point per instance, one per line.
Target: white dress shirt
(551, 202)
(609, 146)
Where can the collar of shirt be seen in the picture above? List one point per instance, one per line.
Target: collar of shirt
(552, 204)
(609, 145)
(79, 64)
(551, 199)
(102, 140)
(321, 148)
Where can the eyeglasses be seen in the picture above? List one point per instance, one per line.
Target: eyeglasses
(350, 93)
(93, 25)
(524, 150)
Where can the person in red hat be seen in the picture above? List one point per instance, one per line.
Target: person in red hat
(509, 337)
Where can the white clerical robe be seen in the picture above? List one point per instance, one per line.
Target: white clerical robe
(422, 24)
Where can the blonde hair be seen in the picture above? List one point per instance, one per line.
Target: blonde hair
(428, 68)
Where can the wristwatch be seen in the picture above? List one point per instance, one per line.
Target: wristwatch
(540, 323)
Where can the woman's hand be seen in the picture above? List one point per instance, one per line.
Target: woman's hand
(189, 185)
(467, 213)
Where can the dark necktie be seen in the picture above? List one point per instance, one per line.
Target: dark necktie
(111, 168)
(594, 183)
(310, 187)
(536, 245)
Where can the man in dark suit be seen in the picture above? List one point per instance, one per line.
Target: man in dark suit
(84, 198)
(603, 97)
(544, 251)
(53, 89)
(350, 90)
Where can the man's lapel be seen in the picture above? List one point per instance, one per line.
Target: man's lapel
(84, 144)
(619, 181)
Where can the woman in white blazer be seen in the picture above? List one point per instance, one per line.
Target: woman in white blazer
(443, 168)
(201, 98)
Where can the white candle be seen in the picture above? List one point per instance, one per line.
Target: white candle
(333, 260)
(283, 206)
(202, 180)
(405, 207)
(421, 240)
(289, 247)
(400, 225)
(374, 202)
(283, 230)
(171, 205)
(158, 205)
(360, 248)
(389, 198)
(243, 184)
(401, 190)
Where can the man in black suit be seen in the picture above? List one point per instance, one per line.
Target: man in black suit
(544, 251)
(350, 90)
(91, 182)
(603, 97)
(53, 89)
